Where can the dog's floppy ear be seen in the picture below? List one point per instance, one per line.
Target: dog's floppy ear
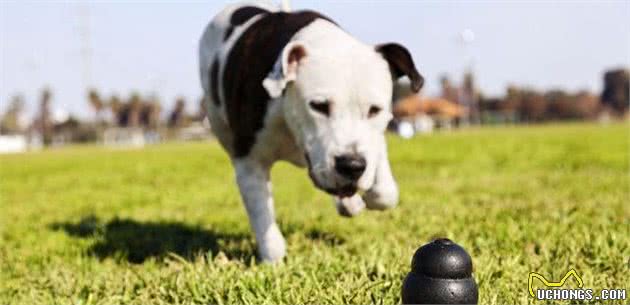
(284, 70)
(401, 63)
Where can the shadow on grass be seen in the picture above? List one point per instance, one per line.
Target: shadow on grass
(136, 241)
(327, 238)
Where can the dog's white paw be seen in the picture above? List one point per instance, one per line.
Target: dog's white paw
(381, 199)
(349, 206)
(272, 247)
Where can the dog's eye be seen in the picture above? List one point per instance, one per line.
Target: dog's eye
(374, 110)
(321, 107)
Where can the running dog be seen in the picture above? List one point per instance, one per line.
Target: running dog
(295, 86)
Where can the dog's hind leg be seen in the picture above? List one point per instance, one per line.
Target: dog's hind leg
(384, 193)
(255, 187)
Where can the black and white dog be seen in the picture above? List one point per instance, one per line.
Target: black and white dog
(296, 87)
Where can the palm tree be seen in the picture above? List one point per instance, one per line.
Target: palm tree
(97, 104)
(116, 108)
(45, 120)
(10, 121)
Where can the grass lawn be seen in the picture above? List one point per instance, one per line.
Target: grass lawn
(164, 225)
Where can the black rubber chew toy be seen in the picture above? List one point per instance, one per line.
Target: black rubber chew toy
(441, 273)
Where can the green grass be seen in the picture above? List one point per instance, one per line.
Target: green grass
(164, 225)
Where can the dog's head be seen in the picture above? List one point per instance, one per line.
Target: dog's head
(337, 103)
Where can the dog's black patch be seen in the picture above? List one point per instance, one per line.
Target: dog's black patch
(241, 16)
(245, 13)
(401, 63)
(250, 60)
(228, 32)
(214, 82)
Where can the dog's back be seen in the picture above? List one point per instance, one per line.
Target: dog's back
(214, 46)
(238, 50)
(222, 32)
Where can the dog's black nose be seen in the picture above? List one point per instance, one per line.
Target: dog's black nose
(350, 166)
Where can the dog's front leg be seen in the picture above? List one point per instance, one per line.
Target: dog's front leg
(253, 181)
(384, 193)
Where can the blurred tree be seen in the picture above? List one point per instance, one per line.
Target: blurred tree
(203, 109)
(10, 121)
(134, 108)
(533, 106)
(150, 114)
(97, 104)
(559, 105)
(116, 108)
(615, 95)
(177, 116)
(512, 102)
(470, 98)
(44, 121)
(449, 92)
(587, 105)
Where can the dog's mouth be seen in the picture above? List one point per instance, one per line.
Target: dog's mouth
(345, 190)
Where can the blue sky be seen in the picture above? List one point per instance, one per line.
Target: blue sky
(151, 46)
